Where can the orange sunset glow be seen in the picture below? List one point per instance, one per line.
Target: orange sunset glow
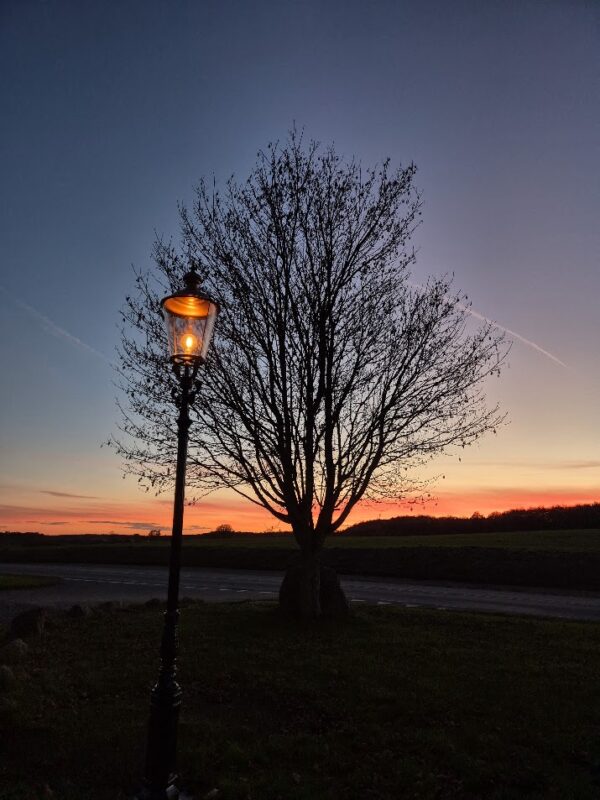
(72, 515)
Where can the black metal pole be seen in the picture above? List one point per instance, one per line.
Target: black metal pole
(160, 782)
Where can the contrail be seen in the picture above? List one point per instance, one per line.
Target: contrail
(516, 335)
(491, 322)
(53, 328)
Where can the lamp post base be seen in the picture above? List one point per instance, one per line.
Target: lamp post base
(160, 782)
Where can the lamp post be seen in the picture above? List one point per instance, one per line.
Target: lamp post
(189, 318)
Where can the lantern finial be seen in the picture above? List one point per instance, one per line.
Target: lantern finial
(191, 279)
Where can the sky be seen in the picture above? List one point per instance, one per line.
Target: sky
(112, 112)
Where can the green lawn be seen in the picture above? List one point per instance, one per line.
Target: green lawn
(577, 541)
(279, 541)
(565, 560)
(573, 541)
(394, 704)
(26, 581)
(563, 540)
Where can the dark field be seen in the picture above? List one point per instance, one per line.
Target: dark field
(574, 541)
(568, 541)
(26, 581)
(395, 703)
(565, 559)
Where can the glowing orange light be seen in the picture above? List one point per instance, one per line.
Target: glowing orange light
(189, 342)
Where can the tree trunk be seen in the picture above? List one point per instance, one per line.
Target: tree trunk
(300, 592)
(309, 589)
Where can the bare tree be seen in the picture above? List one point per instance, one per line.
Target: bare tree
(332, 374)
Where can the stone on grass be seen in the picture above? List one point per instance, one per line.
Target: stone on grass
(28, 623)
(7, 678)
(331, 595)
(14, 652)
(334, 603)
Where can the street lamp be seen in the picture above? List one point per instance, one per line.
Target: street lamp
(189, 318)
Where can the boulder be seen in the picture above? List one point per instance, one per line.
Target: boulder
(29, 623)
(14, 652)
(334, 603)
(331, 595)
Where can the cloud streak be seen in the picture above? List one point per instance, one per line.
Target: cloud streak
(137, 526)
(553, 465)
(54, 329)
(68, 494)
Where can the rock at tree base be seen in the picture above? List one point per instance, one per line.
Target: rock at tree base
(333, 601)
(14, 652)
(29, 623)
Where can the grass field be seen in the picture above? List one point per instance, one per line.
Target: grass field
(574, 541)
(393, 704)
(26, 581)
(566, 560)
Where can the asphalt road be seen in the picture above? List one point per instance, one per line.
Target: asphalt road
(98, 583)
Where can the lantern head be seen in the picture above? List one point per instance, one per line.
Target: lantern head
(189, 317)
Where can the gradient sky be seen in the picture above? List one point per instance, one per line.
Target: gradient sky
(111, 112)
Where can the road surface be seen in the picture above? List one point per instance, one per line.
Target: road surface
(96, 583)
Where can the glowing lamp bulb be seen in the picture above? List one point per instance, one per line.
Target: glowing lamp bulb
(189, 342)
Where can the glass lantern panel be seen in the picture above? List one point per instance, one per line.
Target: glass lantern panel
(189, 336)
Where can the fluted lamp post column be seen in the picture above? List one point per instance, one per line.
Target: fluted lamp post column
(189, 317)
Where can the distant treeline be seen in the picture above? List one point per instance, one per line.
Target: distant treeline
(529, 519)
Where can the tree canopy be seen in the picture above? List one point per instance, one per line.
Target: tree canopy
(333, 372)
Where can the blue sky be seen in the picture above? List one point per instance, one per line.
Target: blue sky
(113, 111)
